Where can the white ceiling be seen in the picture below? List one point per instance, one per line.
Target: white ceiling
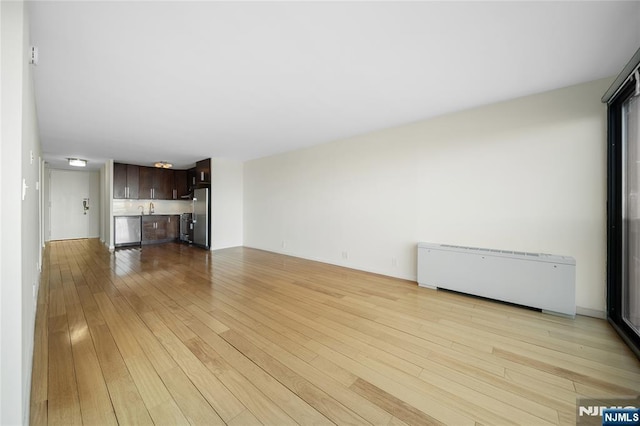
(180, 81)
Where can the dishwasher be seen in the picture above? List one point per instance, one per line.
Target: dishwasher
(128, 231)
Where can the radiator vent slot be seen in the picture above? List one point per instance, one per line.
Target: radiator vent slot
(539, 280)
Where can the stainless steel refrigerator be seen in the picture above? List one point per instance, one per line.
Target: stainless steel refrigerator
(201, 217)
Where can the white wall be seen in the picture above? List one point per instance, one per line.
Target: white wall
(46, 189)
(527, 175)
(19, 227)
(31, 247)
(2, 240)
(103, 222)
(95, 204)
(107, 197)
(226, 203)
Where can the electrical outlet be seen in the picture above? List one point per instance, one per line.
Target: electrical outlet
(394, 262)
(34, 292)
(345, 255)
(284, 244)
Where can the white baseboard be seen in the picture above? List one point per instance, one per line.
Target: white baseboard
(212, 248)
(587, 312)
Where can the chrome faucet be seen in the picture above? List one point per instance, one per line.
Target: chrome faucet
(151, 206)
(141, 209)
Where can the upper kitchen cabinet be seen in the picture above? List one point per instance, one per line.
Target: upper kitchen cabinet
(203, 172)
(125, 181)
(156, 184)
(165, 184)
(191, 178)
(147, 182)
(180, 184)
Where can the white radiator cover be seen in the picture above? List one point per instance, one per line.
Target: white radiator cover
(537, 280)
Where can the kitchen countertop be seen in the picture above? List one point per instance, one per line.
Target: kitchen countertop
(146, 214)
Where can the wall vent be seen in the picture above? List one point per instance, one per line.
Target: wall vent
(538, 280)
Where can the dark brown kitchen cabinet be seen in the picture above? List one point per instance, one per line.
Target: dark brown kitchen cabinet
(164, 184)
(147, 182)
(180, 184)
(203, 171)
(173, 227)
(125, 181)
(156, 184)
(149, 229)
(191, 179)
(159, 228)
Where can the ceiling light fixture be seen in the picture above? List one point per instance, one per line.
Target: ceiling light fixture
(76, 162)
(163, 165)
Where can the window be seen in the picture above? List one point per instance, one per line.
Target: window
(623, 204)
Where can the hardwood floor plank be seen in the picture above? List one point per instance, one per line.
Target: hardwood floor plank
(265, 410)
(155, 395)
(252, 399)
(125, 398)
(565, 371)
(194, 406)
(244, 419)
(344, 396)
(220, 398)
(92, 390)
(336, 372)
(127, 402)
(434, 404)
(315, 397)
(264, 325)
(38, 413)
(393, 405)
(207, 319)
(577, 359)
(63, 403)
(397, 422)
(172, 334)
(524, 369)
(293, 405)
(185, 390)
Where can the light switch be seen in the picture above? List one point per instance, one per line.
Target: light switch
(24, 188)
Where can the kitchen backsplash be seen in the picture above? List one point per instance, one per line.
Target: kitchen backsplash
(129, 207)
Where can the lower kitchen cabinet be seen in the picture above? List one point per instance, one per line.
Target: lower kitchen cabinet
(160, 228)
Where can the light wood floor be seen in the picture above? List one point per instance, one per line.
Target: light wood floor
(174, 335)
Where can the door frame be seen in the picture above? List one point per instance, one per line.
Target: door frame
(623, 88)
(94, 193)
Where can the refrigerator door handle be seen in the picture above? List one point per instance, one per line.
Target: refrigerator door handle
(193, 210)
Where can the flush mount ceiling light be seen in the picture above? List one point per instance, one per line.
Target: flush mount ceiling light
(76, 162)
(163, 165)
